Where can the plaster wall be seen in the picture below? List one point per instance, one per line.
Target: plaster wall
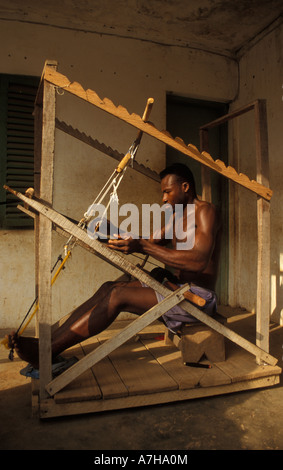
(260, 77)
(127, 72)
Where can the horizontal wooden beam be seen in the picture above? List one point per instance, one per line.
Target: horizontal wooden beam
(229, 116)
(62, 82)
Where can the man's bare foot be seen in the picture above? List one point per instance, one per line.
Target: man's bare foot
(25, 347)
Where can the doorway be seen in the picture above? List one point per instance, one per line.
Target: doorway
(184, 118)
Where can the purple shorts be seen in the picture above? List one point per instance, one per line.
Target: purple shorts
(176, 316)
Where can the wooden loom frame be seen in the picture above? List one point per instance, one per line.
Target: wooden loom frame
(45, 122)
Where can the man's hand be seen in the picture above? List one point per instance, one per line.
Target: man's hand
(125, 244)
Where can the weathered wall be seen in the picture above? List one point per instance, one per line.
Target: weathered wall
(128, 72)
(260, 77)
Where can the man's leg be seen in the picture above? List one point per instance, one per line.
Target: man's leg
(92, 317)
(97, 313)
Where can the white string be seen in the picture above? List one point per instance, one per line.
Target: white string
(106, 184)
(111, 182)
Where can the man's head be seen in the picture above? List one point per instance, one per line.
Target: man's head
(177, 184)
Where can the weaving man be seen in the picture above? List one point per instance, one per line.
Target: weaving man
(196, 266)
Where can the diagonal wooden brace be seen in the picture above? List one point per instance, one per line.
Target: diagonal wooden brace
(106, 348)
(122, 263)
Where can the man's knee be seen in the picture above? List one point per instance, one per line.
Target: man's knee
(117, 294)
(107, 285)
(111, 288)
(110, 285)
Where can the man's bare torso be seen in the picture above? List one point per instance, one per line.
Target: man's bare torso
(207, 277)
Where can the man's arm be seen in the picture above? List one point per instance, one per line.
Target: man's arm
(195, 259)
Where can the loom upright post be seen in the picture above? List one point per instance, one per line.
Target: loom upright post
(44, 166)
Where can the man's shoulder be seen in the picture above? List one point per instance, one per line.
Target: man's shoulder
(207, 212)
(204, 206)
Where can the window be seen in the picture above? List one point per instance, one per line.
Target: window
(17, 97)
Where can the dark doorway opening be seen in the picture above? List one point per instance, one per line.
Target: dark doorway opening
(184, 119)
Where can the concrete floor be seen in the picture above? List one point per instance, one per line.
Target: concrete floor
(251, 420)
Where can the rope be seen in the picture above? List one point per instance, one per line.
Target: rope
(113, 182)
(22, 328)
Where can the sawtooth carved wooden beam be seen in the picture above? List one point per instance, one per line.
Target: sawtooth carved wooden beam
(62, 82)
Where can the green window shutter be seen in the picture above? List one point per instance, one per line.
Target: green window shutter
(17, 96)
